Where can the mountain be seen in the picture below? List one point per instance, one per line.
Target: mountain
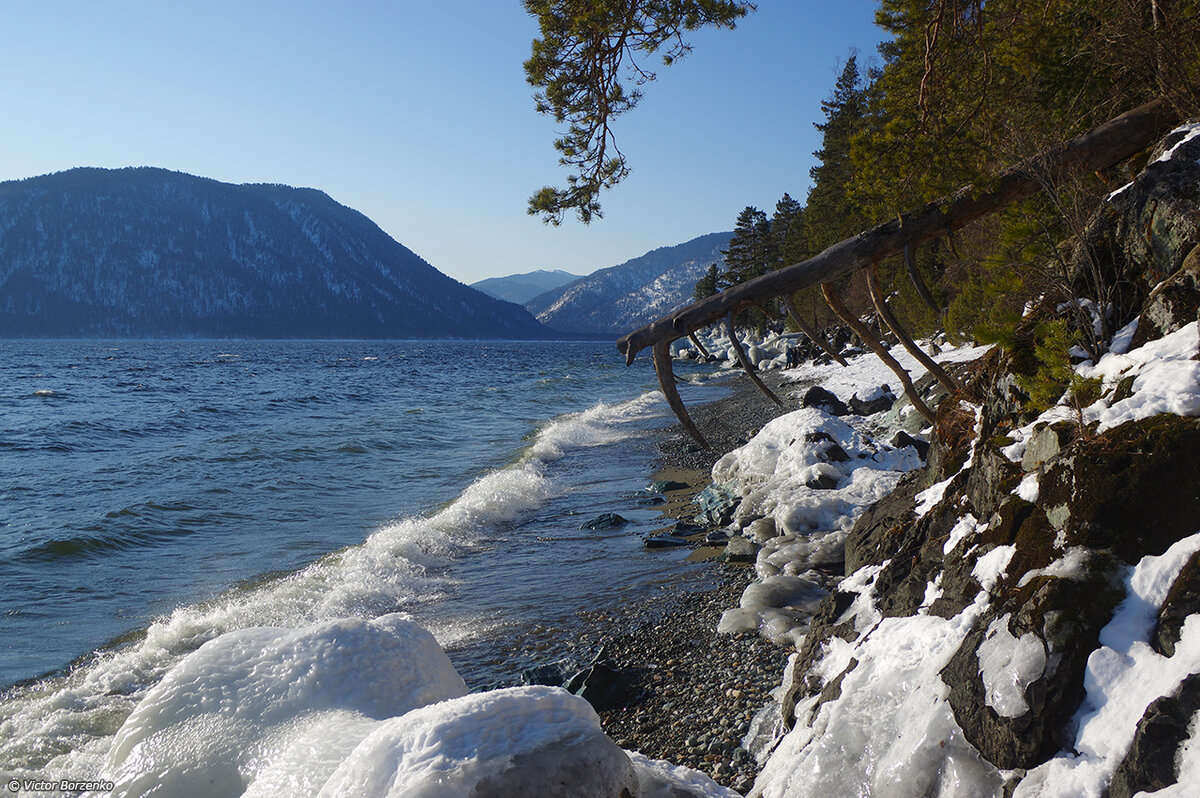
(521, 288)
(621, 298)
(144, 252)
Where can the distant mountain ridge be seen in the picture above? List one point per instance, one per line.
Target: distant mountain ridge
(147, 252)
(521, 288)
(621, 298)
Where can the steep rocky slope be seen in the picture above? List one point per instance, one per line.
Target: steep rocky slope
(1020, 616)
(620, 298)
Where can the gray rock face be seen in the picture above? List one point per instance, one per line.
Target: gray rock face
(1150, 763)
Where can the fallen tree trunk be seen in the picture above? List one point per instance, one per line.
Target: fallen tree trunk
(1101, 147)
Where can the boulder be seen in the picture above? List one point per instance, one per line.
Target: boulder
(1134, 489)
(877, 401)
(717, 505)
(1173, 303)
(740, 549)
(665, 486)
(604, 521)
(822, 399)
(902, 439)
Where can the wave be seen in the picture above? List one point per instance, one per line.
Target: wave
(62, 725)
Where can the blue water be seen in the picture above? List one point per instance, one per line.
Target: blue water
(156, 494)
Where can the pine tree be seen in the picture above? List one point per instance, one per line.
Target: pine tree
(708, 284)
(752, 250)
(830, 216)
(790, 232)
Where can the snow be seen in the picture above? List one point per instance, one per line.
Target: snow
(1190, 132)
(1070, 566)
(1029, 489)
(991, 566)
(1167, 380)
(1008, 665)
(967, 525)
(933, 495)
(1124, 675)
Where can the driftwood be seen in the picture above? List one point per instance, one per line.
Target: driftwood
(1097, 149)
(905, 339)
(1104, 146)
(746, 364)
(808, 330)
(873, 343)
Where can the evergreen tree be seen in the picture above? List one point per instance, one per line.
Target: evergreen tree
(708, 284)
(790, 232)
(830, 215)
(752, 250)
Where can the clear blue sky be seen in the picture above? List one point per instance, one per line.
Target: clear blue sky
(417, 114)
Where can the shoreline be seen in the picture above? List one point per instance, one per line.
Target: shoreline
(692, 693)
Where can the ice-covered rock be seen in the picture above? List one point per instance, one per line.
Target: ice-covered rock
(252, 695)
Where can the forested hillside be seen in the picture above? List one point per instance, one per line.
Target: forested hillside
(153, 253)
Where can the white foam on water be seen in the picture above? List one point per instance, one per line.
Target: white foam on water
(62, 726)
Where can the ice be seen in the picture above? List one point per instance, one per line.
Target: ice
(1124, 675)
(208, 726)
(660, 779)
(891, 731)
(773, 470)
(1008, 665)
(517, 741)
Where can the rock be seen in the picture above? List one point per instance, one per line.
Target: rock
(604, 521)
(822, 481)
(822, 399)
(601, 684)
(663, 542)
(762, 530)
(902, 439)
(1064, 617)
(1046, 443)
(1150, 763)
(718, 537)
(1134, 489)
(740, 549)
(1182, 600)
(665, 486)
(717, 505)
(1173, 303)
(683, 529)
(880, 401)
(552, 674)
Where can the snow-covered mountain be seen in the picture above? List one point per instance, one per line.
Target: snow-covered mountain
(144, 252)
(521, 288)
(620, 298)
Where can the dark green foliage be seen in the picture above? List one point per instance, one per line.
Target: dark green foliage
(752, 250)
(709, 284)
(585, 67)
(830, 215)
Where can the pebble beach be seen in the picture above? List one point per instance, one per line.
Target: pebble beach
(692, 693)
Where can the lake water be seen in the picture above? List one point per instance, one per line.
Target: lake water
(154, 495)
